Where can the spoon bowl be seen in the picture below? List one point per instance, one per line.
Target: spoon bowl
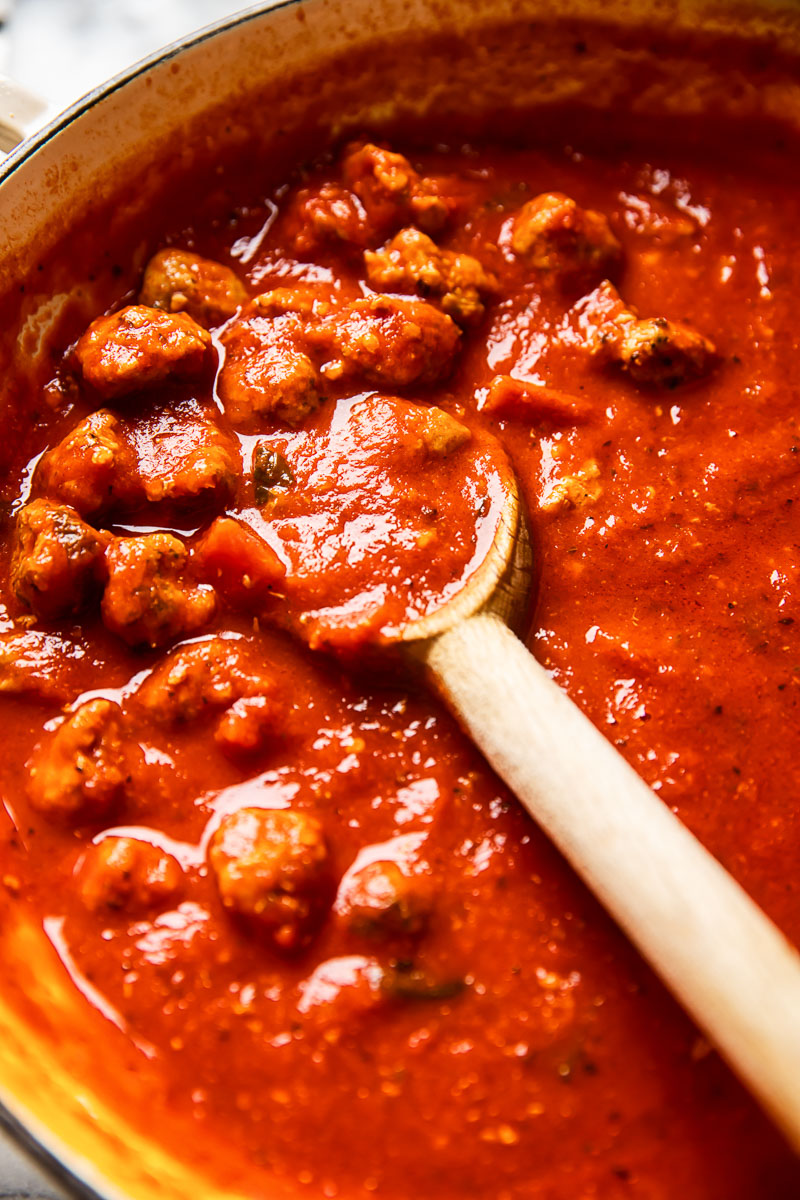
(501, 585)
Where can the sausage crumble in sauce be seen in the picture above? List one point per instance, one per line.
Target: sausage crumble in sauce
(352, 960)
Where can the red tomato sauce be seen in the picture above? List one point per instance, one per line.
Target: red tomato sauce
(391, 984)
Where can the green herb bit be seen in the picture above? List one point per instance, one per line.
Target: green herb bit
(270, 471)
(416, 984)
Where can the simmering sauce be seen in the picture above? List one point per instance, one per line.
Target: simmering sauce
(301, 909)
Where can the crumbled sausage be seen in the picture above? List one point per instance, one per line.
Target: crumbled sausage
(148, 598)
(411, 262)
(267, 371)
(57, 559)
(393, 342)
(203, 677)
(271, 868)
(517, 399)
(125, 873)
(382, 899)
(187, 458)
(573, 491)
(441, 433)
(654, 351)
(138, 346)
(81, 770)
(248, 725)
(179, 281)
(327, 214)
(238, 562)
(661, 353)
(392, 192)
(93, 467)
(552, 233)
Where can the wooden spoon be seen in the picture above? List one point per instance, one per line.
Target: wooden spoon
(725, 961)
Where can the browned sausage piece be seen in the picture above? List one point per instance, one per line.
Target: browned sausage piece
(653, 351)
(392, 192)
(274, 380)
(179, 281)
(148, 598)
(248, 725)
(81, 770)
(203, 677)
(129, 875)
(411, 262)
(555, 235)
(92, 468)
(57, 560)
(661, 353)
(184, 457)
(271, 868)
(137, 347)
(393, 342)
(328, 214)
(267, 371)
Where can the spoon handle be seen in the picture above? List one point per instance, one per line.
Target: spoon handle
(726, 962)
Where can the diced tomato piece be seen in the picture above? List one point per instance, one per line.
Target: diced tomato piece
(240, 564)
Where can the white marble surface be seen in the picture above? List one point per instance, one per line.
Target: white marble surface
(20, 1178)
(61, 49)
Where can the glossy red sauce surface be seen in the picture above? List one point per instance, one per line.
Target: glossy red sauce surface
(499, 1038)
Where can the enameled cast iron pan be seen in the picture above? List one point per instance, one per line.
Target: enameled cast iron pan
(280, 79)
